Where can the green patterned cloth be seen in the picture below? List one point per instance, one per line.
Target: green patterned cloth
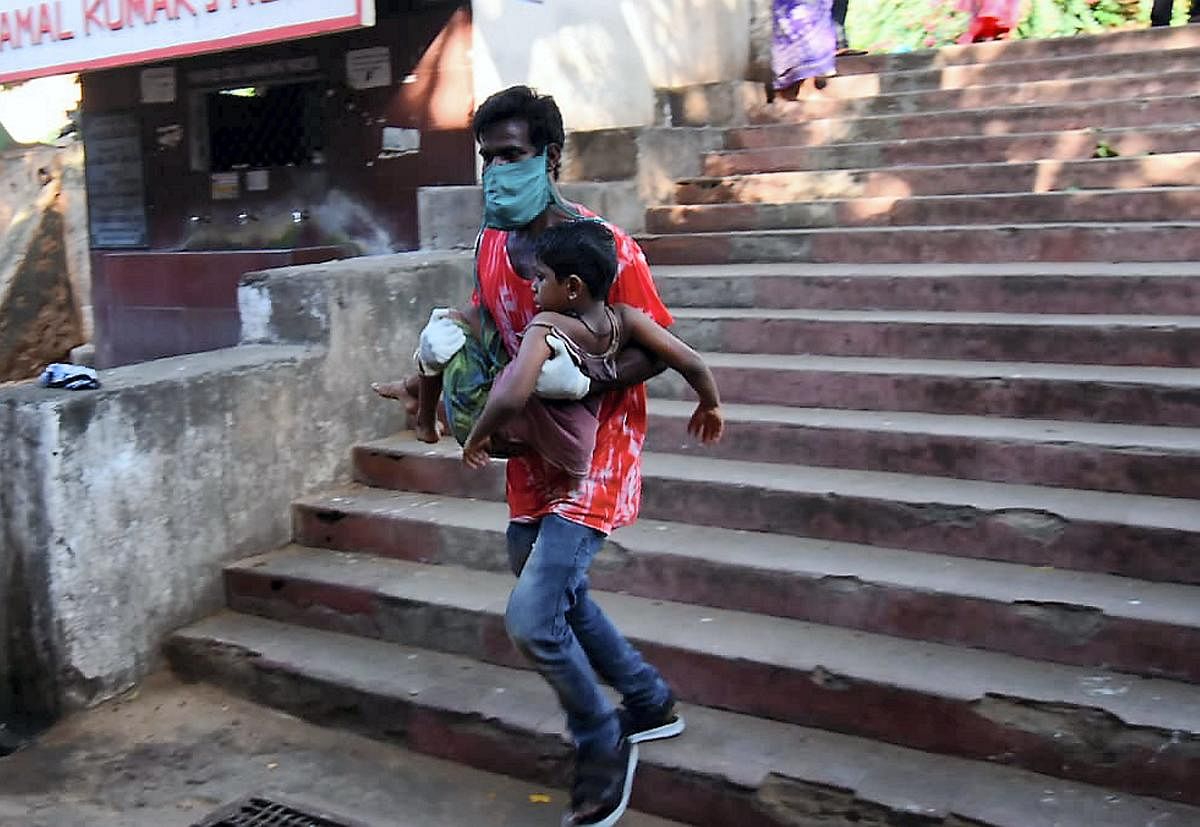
(468, 376)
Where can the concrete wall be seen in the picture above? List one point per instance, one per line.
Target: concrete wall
(603, 61)
(118, 506)
(350, 191)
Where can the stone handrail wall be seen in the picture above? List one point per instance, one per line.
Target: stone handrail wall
(119, 506)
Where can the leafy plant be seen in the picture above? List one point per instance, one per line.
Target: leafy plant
(906, 25)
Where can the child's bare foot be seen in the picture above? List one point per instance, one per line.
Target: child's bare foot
(390, 390)
(406, 391)
(428, 432)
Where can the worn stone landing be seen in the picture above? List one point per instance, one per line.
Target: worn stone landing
(728, 770)
(170, 753)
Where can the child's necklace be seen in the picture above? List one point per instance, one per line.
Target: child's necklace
(591, 329)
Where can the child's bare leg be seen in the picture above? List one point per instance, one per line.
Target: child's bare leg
(430, 391)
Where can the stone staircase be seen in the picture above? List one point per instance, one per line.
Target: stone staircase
(944, 569)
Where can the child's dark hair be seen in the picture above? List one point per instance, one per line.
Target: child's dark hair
(584, 248)
(522, 103)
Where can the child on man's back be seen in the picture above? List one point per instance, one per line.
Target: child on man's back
(576, 265)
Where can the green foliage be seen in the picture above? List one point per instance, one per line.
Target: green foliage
(904, 25)
(907, 25)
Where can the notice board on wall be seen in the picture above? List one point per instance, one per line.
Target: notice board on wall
(115, 184)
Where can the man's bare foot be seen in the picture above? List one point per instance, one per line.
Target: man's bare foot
(428, 432)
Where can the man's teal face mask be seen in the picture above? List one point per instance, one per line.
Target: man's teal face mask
(516, 193)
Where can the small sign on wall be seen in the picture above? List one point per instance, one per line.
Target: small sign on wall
(399, 141)
(158, 84)
(369, 68)
(225, 186)
(258, 180)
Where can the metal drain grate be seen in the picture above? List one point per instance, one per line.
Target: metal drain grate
(260, 811)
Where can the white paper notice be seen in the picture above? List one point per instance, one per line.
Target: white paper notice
(369, 68)
(225, 186)
(158, 84)
(398, 140)
(258, 180)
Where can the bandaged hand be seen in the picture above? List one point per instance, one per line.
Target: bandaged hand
(440, 340)
(560, 377)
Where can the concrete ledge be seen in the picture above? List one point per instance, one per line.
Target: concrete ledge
(119, 506)
(710, 104)
(449, 217)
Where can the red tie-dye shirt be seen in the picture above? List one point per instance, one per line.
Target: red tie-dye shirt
(610, 494)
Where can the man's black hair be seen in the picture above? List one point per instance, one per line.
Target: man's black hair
(584, 248)
(521, 102)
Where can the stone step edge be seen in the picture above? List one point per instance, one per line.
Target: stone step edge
(1104, 104)
(949, 198)
(1099, 131)
(247, 655)
(1130, 226)
(707, 180)
(1076, 321)
(1173, 378)
(1067, 271)
(1155, 706)
(788, 556)
(1122, 77)
(915, 489)
(1124, 438)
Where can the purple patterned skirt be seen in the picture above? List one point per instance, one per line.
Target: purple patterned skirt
(804, 41)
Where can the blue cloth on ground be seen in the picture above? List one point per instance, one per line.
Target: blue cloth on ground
(70, 377)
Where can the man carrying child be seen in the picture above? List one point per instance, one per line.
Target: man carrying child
(558, 521)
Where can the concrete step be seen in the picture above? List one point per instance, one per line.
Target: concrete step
(1068, 617)
(1124, 242)
(1088, 53)
(1113, 205)
(1134, 459)
(1172, 169)
(858, 81)
(1151, 538)
(1083, 724)
(727, 769)
(938, 98)
(1166, 289)
(790, 127)
(1159, 341)
(1063, 145)
(1139, 395)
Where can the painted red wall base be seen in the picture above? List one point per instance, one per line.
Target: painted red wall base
(151, 305)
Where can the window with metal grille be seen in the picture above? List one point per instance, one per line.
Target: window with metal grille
(264, 126)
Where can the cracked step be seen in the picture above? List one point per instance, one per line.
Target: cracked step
(1152, 288)
(1170, 169)
(1097, 393)
(1124, 112)
(1064, 145)
(727, 769)
(1123, 242)
(1159, 341)
(1082, 724)
(1152, 538)
(1114, 205)
(842, 103)
(1105, 457)
(1067, 617)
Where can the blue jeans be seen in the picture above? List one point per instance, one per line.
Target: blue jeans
(554, 622)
